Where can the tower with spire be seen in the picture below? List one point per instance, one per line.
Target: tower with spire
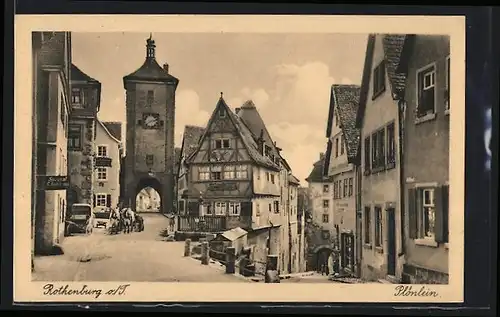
(150, 107)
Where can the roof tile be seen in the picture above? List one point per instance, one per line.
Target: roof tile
(115, 128)
(393, 46)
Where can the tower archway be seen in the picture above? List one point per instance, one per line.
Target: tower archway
(148, 195)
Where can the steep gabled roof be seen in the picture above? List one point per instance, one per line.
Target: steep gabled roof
(326, 164)
(316, 175)
(250, 115)
(111, 136)
(393, 47)
(294, 180)
(190, 139)
(115, 128)
(78, 75)
(245, 134)
(345, 100)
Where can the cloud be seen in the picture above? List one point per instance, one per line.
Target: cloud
(295, 110)
(188, 112)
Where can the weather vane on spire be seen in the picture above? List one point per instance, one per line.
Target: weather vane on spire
(150, 35)
(221, 94)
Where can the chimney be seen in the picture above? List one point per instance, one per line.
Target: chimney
(321, 155)
(237, 110)
(165, 67)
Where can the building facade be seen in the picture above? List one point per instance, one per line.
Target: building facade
(425, 62)
(378, 121)
(51, 83)
(302, 215)
(231, 176)
(108, 153)
(320, 231)
(85, 102)
(343, 140)
(150, 107)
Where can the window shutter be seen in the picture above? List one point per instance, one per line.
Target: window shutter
(412, 213)
(439, 212)
(94, 200)
(246, 209)
(108, 200)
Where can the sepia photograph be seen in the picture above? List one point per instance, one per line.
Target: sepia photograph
(187, 159)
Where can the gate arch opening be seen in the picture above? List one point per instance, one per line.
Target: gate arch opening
(321, 255)
(148, 196)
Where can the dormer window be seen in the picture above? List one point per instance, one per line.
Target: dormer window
(267, 150)
(76, 97)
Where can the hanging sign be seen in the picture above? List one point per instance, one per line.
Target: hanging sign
(48, 182)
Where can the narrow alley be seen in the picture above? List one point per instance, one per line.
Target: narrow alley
(135, 257)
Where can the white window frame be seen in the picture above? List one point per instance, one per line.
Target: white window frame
(204, 173)
(229, 172)
(327, 218)
(103, 197)
(241, 171)
(220, 208)
(379, 227)
(326, 188)
(422, 212)
(102, 171)
(419, 71)
(105, 147)
(234, 209)
(447, 84)
(78, 104)
(421, 238)
(221, 140)
(327, 203)
(216, 169)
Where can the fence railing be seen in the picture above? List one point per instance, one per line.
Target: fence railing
(209, 223)
(233, 262)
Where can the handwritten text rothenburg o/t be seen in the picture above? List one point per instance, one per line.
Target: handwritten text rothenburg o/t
(66, 290)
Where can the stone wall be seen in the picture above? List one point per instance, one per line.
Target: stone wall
(417, 275)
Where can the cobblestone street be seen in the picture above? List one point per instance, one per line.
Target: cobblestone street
(139, 256)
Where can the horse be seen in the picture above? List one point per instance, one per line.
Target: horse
(114, 222)
(127, 219)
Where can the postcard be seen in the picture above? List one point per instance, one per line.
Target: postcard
(175, 158)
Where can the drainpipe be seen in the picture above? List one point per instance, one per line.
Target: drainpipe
(401, 122)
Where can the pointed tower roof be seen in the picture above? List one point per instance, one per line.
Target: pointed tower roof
(150, 69)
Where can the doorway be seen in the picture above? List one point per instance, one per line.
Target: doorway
(391, 242)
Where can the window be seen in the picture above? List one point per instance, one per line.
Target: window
(76, 97)
(181, 206)
(204, 173)
(234, 209)
(229, 172)
(267, 176)
(150, 98)
(367, 156)
(345, 187)
(257, 209)
(101, 200)
(350, 187)
(335, 189)
(75, 137)
(336, 147)
(378, 150)
(270, 207)
(220, 208)
(102, 173)
(216, 172)
(102, 151)
(267, 150)
(325, 218)
(150, 159)
(222, 113)
(272, 178)
(378, 227)
(326, 203)
(368, 225)
(342, 145)
(426, 79)
(379, 79)
(326, 188)
(241, 172)
(208, 209)
(391, 146)
(277, 207)
(428, 213)
(447, 96)
(222, 144)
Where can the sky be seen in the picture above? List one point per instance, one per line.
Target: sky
(288, 77)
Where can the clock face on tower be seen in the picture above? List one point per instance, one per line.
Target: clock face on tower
(150, 120)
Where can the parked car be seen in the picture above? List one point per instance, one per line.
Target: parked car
(78, 218)
(101, 217)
